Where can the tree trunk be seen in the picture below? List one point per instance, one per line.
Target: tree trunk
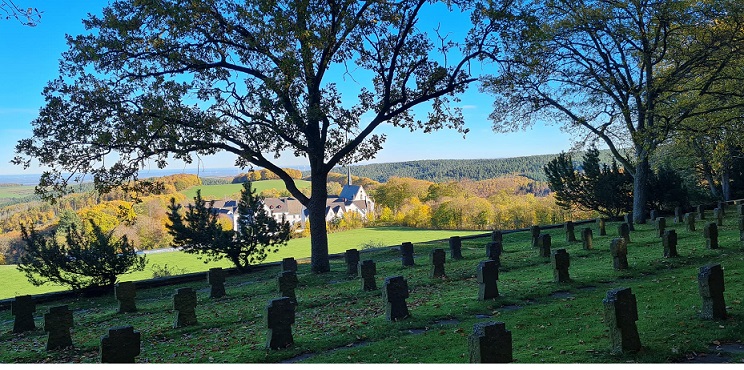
(316, 208)
(640, 190)
(725, 184)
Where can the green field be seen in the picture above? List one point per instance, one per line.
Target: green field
(16, 191)
(233, 190)
(15, 283)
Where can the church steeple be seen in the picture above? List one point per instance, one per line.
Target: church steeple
(348, 168)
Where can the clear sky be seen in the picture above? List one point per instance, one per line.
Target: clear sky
(29, 59)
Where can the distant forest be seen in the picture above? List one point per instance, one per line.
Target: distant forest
(443, 170)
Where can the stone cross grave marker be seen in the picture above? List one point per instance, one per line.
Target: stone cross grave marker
(394, 293)
(493, 250)
(184, 303)
(653, 215)
(710, 231)
(125, 293)
(351, 257)
(535, 232)
(497, 236)
(623, 230)
(121, 345)
(660, 226)
(216, 280)
(406, 254)
(23, 308)
(490, 343)
(587, 238)
(621, 314)
(437, 258)
(279, 317)
(561, 262)
(368, 270)
(58, 322)
(690, 221)
(669, 240)
(722, 207)
(701, 212)
(455, 247)
(718, 216)
(710, 283)
(488, 276)
(287, 282)
(619, 251)
(289, 264)
(741, 228)
(543, 244)
(677, 215)
(601, 226)
(628, 219)
(568, 227)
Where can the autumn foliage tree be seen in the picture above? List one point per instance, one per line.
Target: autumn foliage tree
(156, 80)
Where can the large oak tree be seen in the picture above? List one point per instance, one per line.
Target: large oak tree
(157, 80)
(611, 69)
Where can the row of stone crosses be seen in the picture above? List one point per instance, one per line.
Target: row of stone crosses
(489, 342)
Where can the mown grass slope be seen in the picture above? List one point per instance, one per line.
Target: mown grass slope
(336, 322)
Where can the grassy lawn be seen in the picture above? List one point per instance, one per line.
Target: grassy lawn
(15, 283)
(336, 322)
(232, 191)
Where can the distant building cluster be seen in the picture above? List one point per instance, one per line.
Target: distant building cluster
(353, 198)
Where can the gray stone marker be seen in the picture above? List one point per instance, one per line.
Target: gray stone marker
(561, 262)
(121, 345)
(125, 293)
(677, 215)
(710, 283)
(58, 322)
(289, 264)
(623, 230)
(543, 244)
(660, 226)
(740, 209)
(653, 215)
(619, 251)
(722, 207)
(23, 308)
(628, 218)
(718, 216)
(700, 212)
(406, 254)
(710, 231)
(587, 238)
(279, 317)
(669, 240)
(601, 227)
(621, 314)
(488, 276)
(184, 303)
(690, 221)
(351, 257)
(741, 228)
(497, 236)
(568, 227)
(455, 246)
(394, 293)
(437, 257)
(287, 282)
(490, 343)
(493, 250)
(535, 232)
(216, 280)
(368, 270)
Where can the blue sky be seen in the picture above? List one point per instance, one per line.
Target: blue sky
(29, 58)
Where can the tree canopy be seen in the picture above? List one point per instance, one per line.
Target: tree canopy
(158, 80)
(615, 70)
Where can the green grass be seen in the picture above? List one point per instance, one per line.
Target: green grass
(233, 190)
(336, 322)
(19, 191)
(15, 283)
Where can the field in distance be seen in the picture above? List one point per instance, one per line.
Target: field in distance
(233, 190)
(15, 283)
